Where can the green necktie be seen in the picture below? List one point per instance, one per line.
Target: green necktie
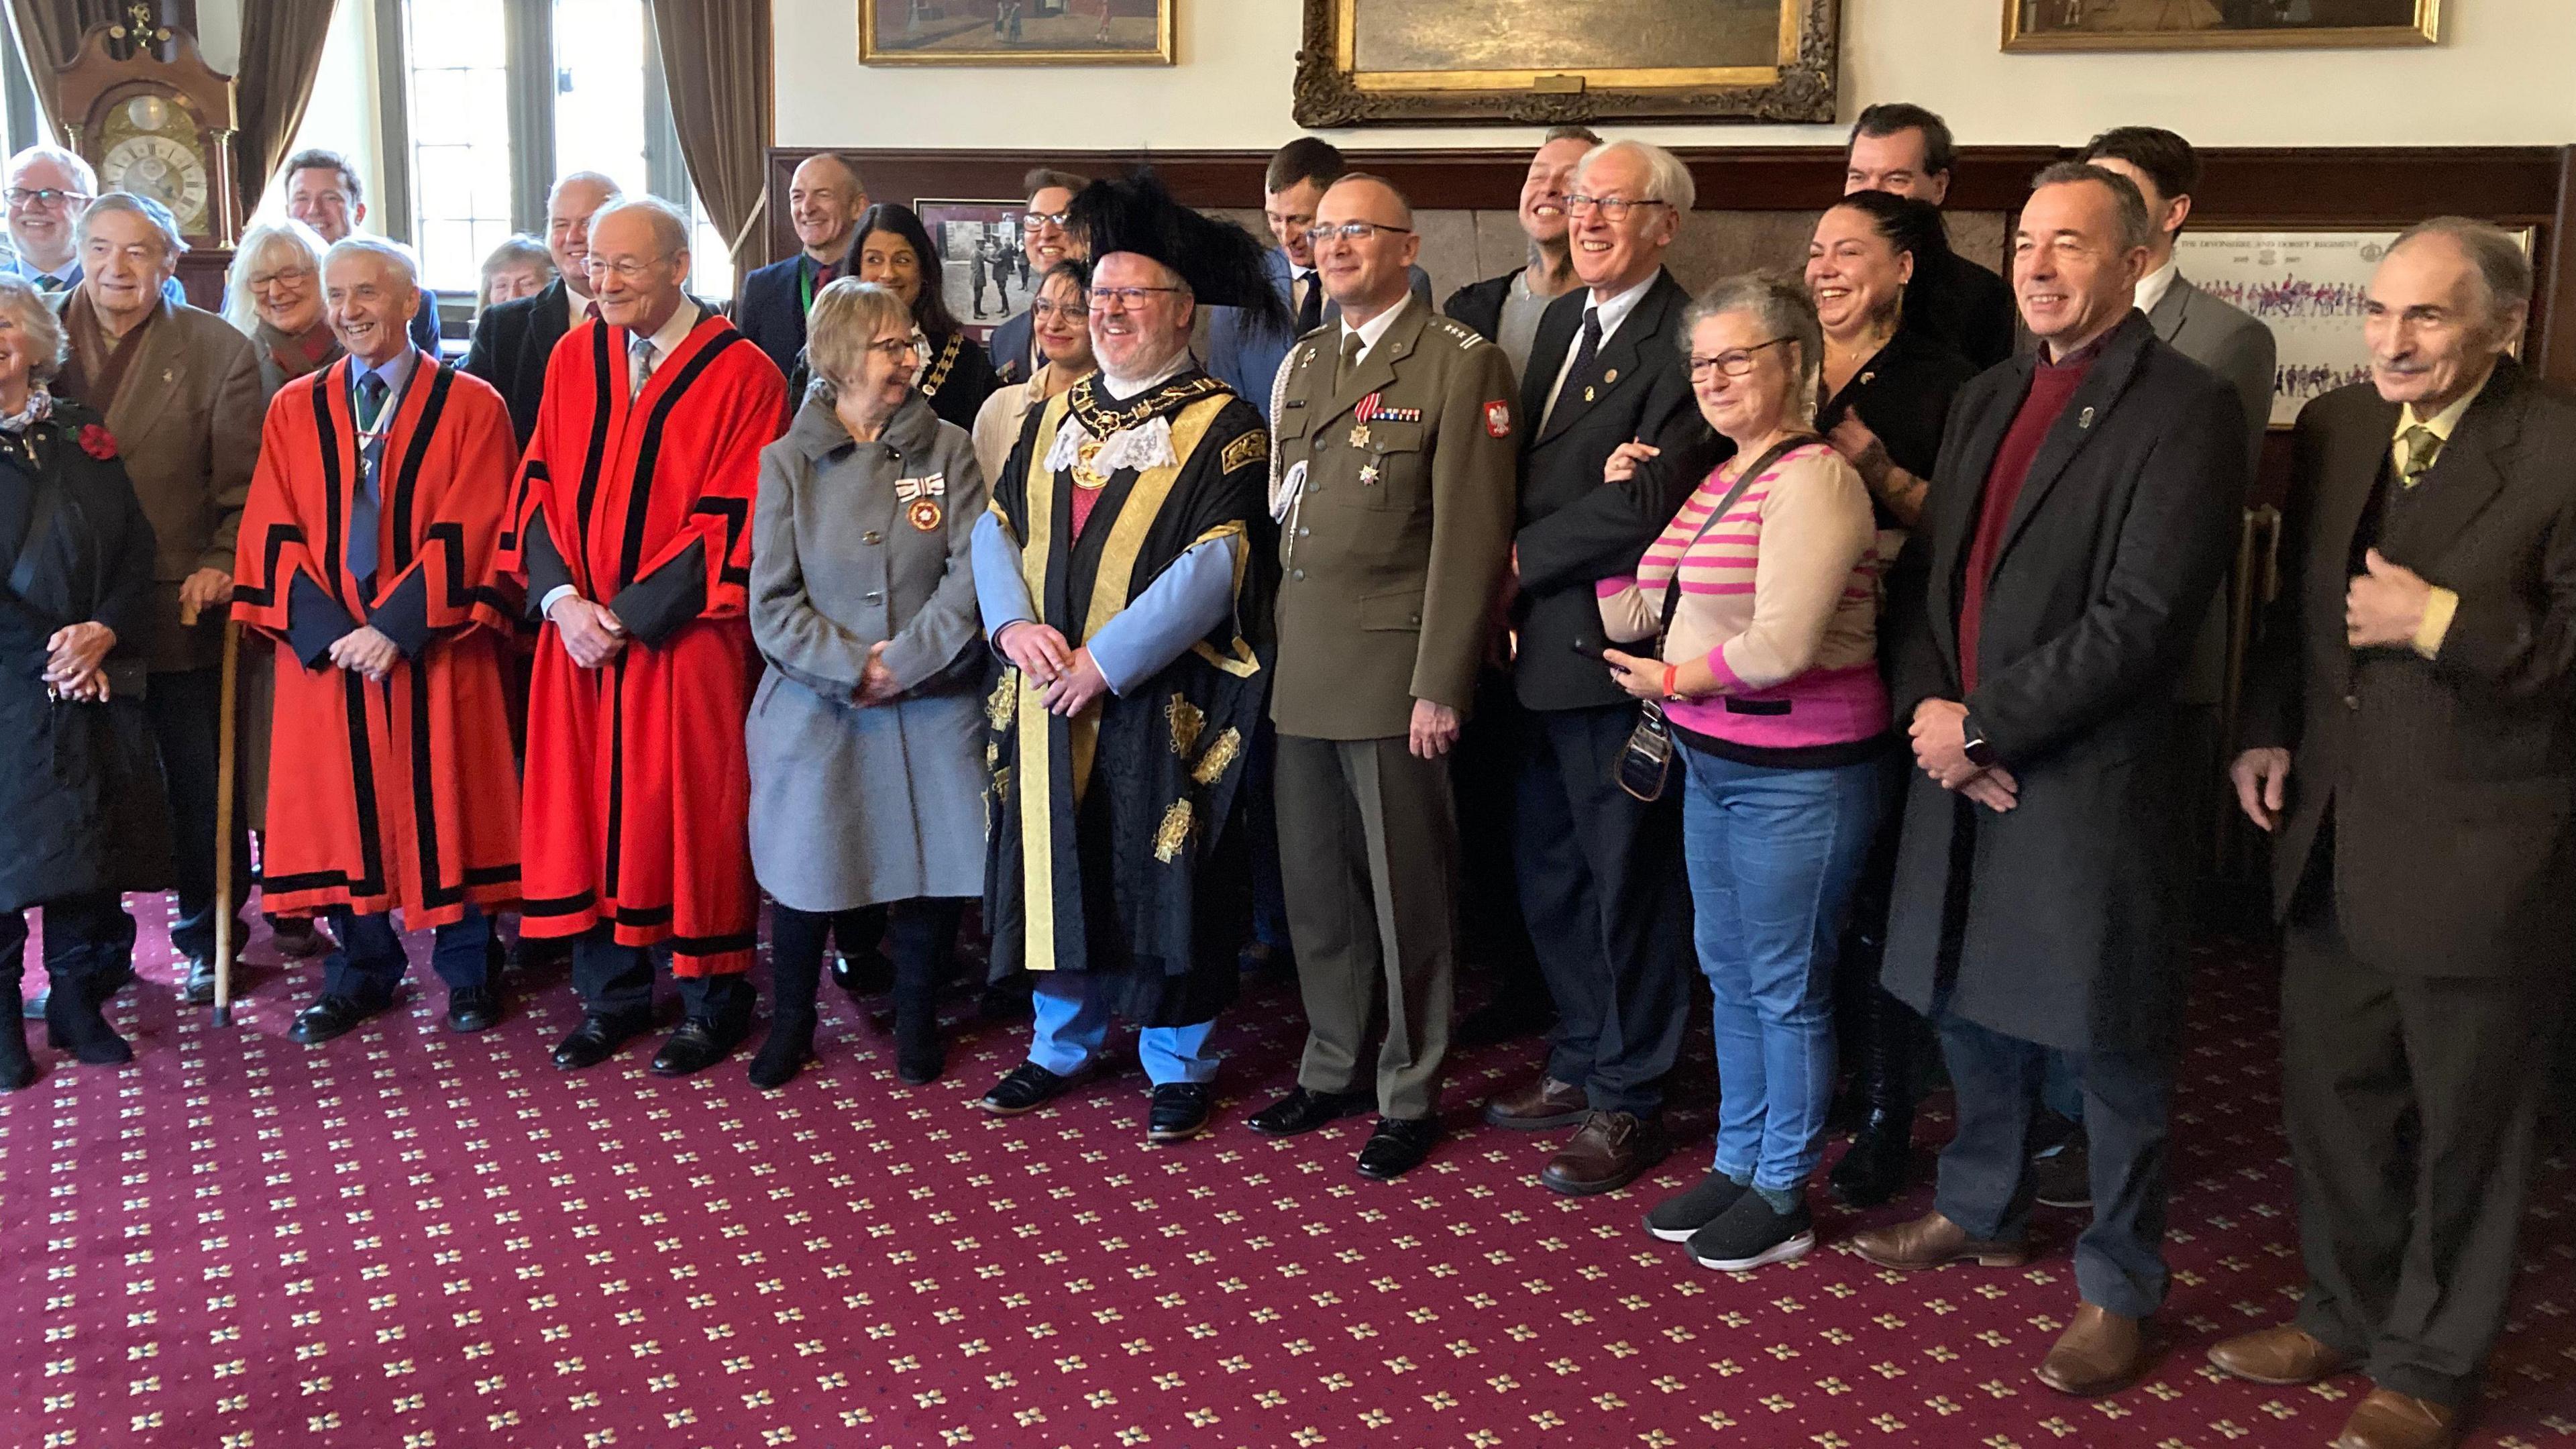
(2423, 450)
(1351, 349)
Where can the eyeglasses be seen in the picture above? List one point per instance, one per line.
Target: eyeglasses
(293, 277)
(1057, 219)
(1354, 231)
(627, 270)
(894, 348)
(1735, 362)
(1612, 208)
(1048, 311)
(1128, 298)
(44, 196)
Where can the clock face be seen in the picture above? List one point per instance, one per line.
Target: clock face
(163, 168)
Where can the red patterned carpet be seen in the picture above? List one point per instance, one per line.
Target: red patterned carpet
(408, 1238)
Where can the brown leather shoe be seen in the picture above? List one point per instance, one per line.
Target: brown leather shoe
(2101, 1352)
(1933, 1241)
(2285, 1357)
(2391, 1420)
(1612, 1150)
(1542, 1104)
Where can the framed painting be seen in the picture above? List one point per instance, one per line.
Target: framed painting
(984, 276)
(2217, 24)
(2309, 288)
(1545, 62)
(1015, 32)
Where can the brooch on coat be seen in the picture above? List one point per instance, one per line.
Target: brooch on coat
(920, 498)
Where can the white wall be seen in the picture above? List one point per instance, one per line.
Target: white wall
(2500, 78)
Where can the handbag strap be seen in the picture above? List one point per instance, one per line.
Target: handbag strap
(1734, 492)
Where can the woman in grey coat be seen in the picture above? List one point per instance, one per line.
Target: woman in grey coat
(866, 739)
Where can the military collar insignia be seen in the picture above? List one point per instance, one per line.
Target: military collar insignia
(1088, 404)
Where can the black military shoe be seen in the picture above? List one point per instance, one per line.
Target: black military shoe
(1304, 1111)
(473, 1008)
(700, 1043)
(1180, 1111)
(1398, 1146)
(330, 1017)
(1027, 1088)
(597, 1039)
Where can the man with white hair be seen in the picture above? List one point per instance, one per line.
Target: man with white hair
(368, 536)
(513, 341)
(323, 192)
(632, 533)
(48, 189)
(1600, 870)
(181, 392)
(1119, 576)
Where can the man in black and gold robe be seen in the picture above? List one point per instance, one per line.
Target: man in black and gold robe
(1122, 583)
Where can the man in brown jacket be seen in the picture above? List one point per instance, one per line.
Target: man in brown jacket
(1393, 482)
(181, 392)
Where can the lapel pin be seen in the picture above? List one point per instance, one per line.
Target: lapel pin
(1613, 376)
(2084, 419)
(1587, 394)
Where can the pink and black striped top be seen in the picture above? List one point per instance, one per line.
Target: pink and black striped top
(1781, 598)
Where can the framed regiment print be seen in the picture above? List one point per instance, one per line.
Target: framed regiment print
(1405, 62)
(1016, 32)
(2308, 287)
(2217, 24)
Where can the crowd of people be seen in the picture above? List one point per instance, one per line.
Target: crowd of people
(1237, 609)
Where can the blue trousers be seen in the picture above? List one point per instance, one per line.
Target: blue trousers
(1073, 1023)
(1773, 855)
(370, 961)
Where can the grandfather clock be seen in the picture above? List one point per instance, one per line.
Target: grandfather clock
(141, 104)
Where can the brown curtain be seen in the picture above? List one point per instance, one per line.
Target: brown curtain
(716, 56)
(49, 32)
(281, 54)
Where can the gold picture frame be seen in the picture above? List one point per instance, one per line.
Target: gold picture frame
(2060, 25)
(1786, 73)
(1014, 32)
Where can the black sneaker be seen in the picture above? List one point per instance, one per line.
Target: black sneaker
(2063, 1177)
(1027, 1088)
(1749, 1235)
(1180, 1111)
(1677, 1217)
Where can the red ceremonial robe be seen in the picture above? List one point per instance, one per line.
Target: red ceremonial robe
(400, 794)
(638, 792)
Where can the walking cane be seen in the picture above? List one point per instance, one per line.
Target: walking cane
(226, 917)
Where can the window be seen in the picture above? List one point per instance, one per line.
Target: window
(458, 114)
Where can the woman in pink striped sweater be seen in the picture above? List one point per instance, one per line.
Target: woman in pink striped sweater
(1768, 675)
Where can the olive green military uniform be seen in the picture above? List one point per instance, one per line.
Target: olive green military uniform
(1394, 476)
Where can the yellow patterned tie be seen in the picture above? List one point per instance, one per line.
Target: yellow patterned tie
(2423, 450)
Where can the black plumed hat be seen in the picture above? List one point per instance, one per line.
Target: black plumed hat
(1220, 261)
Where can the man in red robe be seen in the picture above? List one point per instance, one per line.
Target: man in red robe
(633, 538)
(382, 484)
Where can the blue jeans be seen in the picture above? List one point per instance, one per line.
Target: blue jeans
(1073, 1023)
(1773, 857)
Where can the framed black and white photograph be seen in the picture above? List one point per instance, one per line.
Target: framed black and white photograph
(987, 276)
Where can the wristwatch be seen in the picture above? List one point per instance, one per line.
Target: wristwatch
(1979, 753)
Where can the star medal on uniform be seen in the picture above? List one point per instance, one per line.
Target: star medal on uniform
(1368, 474)
(1086, 476)
(920, 497)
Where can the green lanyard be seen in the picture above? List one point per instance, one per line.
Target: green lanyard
(805, 281)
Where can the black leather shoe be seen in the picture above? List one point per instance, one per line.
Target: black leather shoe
(330, 1017)
(1304, 1111)
(1180, 1111)
(700, 1043)
(1027, 1088)
(597, 1039)
(200, 990)
(473, 1008)
(1398, 1146)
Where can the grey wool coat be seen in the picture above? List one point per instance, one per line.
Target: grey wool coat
(856, 806)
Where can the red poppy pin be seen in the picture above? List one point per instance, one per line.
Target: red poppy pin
(98, 442)
(1498, 420)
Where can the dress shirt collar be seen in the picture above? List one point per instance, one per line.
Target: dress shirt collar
(574, 305)
(69, 273)
(395, 370)
(2446, 422)
(2152, 288)
(1376, 327)
(1126, 389)
(667, 339)
(1616, 310)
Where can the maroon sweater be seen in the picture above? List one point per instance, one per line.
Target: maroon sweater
(2052, 386)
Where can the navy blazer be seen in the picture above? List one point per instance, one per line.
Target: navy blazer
(1246, 357)
(512, 341)
(770, 310)
(1010, 348)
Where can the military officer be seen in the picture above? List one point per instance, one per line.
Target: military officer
(1392, 481)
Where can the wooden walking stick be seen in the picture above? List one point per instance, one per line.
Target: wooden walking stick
(227, 919)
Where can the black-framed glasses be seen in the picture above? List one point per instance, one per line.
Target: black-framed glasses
(46, 196)
(1612, 208)
(1129, 298)
(1734, 362)
(1057, 219)
(1353, 231)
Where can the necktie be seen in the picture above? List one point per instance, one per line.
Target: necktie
(1310, 302)
(1351, 349)
(639, 353)
(47, 282)
(2423, 450)
(364, 506)
(1588, 351)
(590, 311)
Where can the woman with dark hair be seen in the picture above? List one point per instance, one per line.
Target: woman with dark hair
(1060, 322)
(950, 369)
(1882, 401)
